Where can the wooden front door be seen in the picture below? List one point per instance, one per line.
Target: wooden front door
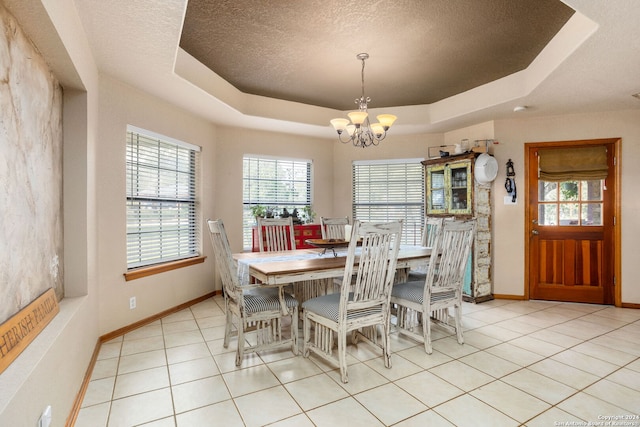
(570, 228)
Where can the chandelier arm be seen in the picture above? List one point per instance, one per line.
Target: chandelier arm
(349, 138)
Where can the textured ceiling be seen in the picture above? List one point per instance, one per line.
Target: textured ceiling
(591, 65)
(420, 51)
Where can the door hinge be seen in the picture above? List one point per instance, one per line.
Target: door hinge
(614, 280)
(614, 220)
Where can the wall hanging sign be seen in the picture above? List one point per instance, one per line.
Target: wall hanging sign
(21, 329)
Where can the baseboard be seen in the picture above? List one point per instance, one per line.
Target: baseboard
(151, 319)
(77, 403)
(507, 296)
(630, 305)
(75, 409)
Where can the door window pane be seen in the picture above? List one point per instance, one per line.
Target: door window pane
(569, 214)
(591, 214)
(548, 214)
(569, 190)
(591, 191)
(547, 191)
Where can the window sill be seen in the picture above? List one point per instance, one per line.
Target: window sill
(141, 272)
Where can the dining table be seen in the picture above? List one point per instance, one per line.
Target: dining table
(277, 269)
(311, 270)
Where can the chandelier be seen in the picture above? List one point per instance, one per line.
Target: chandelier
(359, 130)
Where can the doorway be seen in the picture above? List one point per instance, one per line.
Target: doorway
(571, 221)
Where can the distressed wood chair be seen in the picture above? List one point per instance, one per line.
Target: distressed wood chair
(361, 305)
(253, 308)
(276, 234)
(418, 301)
(432, 226)
(333, 228)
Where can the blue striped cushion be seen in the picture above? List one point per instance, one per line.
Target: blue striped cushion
(439, 296)
(329, 306)
(410, 291)
(257, 300)
(414, 291)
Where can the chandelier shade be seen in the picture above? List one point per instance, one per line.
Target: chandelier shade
(358, 129)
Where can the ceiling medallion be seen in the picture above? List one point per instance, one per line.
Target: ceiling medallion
(360, 131)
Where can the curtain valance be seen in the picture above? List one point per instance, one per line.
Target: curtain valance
(569, 164)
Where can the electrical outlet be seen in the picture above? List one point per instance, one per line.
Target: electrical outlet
(132, 303)
(45, 418)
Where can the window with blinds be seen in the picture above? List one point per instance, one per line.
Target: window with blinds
(275, 184)
(162, 217)
(388, 190)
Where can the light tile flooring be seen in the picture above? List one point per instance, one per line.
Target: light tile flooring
(530, 363)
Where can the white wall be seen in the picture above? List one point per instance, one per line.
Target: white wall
(50, 371)
(121, 105)
(57, 359)
(234, 143)
(509, 220)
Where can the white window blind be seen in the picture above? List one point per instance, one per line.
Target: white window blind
(276, 184)
(162, 217)
(390, 190)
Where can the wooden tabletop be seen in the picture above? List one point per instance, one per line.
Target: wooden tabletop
(314, 267)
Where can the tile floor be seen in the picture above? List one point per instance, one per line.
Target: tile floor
(529, 363)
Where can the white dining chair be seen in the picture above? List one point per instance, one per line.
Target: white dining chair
(258, 310)
(361, 305)
(333, 228)
(432, 225)
(416, 302)
(276, 234)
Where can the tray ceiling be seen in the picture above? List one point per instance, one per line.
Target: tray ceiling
(420, 51)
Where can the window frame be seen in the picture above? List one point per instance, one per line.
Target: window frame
(172, 206)
(579, 203)
(280, 201)
(412, 229)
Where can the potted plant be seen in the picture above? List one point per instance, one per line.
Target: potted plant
(258, 211)
(309, 214)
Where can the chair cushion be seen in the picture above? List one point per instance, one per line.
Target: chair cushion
(329, 306)
(443, 295)
(410, 291)
(414, 291)
(266, 299)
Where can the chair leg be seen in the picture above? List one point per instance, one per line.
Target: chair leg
(306, 334)
(294, 331)
(227, 328)
(342, 355)
(426, 330)
(240, 351)
(386, 329)
(458, 317)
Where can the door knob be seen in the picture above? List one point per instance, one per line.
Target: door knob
(535, 232)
